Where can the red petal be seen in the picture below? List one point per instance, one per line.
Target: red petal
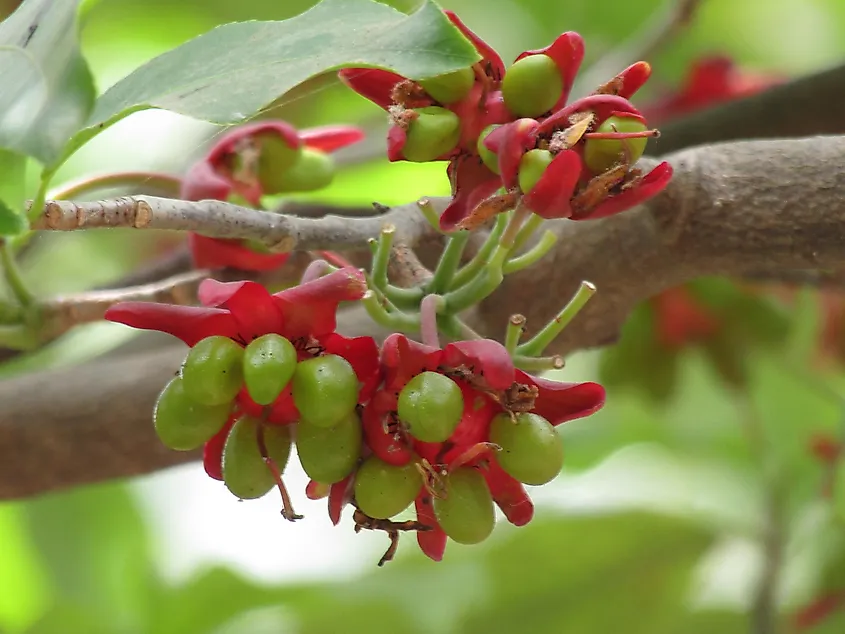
(550, 197)
(651, 184)
(403, 358)
(310, 308)
(559, 402)
(508, 494)
(473, 429)
(212, 453)
(488, 53)
(487, 358)
(432, 542)
(339, 496)
(383, 443)
(330, 137)
(373, 83)
(633, 78)
(215, 253)
(362, 353)
(567, 51)
(284, 410)
(602, 105)
(472, 182)
(188, 323)
(396, 138)
(228, 143)
(203, 183)
(510, 142)
(250, 303)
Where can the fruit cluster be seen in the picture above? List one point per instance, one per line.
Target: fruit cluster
(452, 431)
(512, 128)
(256, 160)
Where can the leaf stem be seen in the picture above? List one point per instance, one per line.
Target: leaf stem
(535, 346)
(430, 213)
(487, 281)
(538, 364)
(12, 274)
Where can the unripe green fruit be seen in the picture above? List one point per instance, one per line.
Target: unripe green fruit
(602, 154)
(532, 86)
(465, 513)
(433, 133)
(325, 389)
(531, 449)
(383, 490)
(532, 166)
(268, 365)
(245, 472)
(213, 370)
(450, 87)
(274, 161)
(183, 424)
(491, 160)
(431, 406)
(313, 170)
(329, 454)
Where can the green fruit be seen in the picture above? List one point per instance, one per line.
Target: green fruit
(268, 365)
(245, 472)
(532, 166)
(602, 154)
(274, 162)
(433, 133)
(329, 454)
(491, 160)
(183, 424)
(325, 389)
(531, 449)
(313, 170)
(450, 87)
(431, 406)
(532, 86)
(465, 512)
(213, 370)
(383, 490)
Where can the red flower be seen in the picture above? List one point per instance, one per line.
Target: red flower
(680, 319)
(243, 311)
(232, 167)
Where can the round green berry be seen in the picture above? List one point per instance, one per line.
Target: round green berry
(602, 154)
(532, 166)
(213, 370)
(268, 365)
(532, 86)
(450, 87)
(431, 406)
(274, 162)
(531, 449)
(465, 510)
(329, 454)
(325, 389)
(313, 170)
(433, 133)
(383, 490)
(490, 158)
(245, 472)
(183, 424)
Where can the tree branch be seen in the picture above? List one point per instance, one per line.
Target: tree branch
(760, 206)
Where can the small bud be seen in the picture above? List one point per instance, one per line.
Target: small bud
(436, 131)
(532, 166)
(532, 86)
(602, 151)
(450, 87)
(489, 157)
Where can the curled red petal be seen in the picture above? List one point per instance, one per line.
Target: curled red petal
(472, 182)
(212, 452)
(330, 137)
(559, 402)
(340, 494)
(188, 323)
(251, 305)
(216, 253)
(488, 359)
(432, 542)
(633, 78)
(363, 355)
(385, 442)
(510, 142)
(403, 358)
(602, 105)
(373, 83)
(508, 494)
(551, 194)
(396, 138)
(488, 53)
(228, 143)
(310, 308)
(648, 186)
(567, 51)
(202, 182)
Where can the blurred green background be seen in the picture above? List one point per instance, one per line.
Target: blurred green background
(659, 522)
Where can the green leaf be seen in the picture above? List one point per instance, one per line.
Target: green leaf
(12, 188)
(47, 90)
(230, 73)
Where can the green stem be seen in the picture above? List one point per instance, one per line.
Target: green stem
(165, 183)
(13, 276)
(381, 257)
(404, 298)
(523, 235)
(538, 364)
(535, 346)
(430, 213)
(394, 320)
(531, 256)
(480, 287)
(17, 337)
(516, 323)
(429, 307)
(10, 313)
(520, 215)
(477, 263)
(449, 262)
